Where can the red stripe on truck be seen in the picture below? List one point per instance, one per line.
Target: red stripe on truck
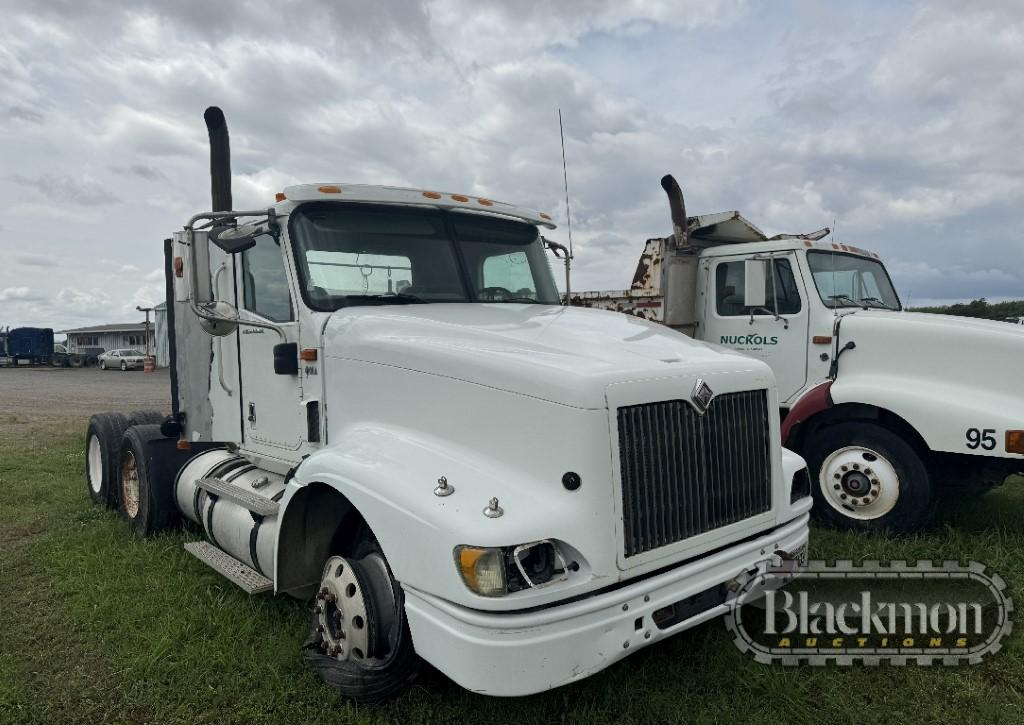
(810, 403)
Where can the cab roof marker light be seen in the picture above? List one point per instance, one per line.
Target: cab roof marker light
(329, 189)
(485, 202)
(279, 196)
(431, 195)
(460, 197)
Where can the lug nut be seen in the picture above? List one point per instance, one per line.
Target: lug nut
(867, 471)
(856, 466)
(844, 467)
(842, 496)
(837, 476)
(837, 487)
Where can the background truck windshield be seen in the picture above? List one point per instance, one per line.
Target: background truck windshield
(849, 280)
(350, 254)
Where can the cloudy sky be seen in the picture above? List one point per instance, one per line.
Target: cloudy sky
(902, 122)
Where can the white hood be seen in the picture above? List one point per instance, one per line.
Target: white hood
(565, 355)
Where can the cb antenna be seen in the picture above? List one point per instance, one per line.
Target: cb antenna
(565, 179)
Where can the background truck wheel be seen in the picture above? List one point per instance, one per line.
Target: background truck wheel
(76, 361)
(144, 417)
(147, 480)
(57, 360)
(868, 479)
(359, 639)
(103, 457)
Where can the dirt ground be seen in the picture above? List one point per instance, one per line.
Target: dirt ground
(35, 397)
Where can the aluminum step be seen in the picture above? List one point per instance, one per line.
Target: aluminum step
(229, 567)
(247, 499)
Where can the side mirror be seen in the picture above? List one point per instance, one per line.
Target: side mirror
(223, 318)
(232, 239)
(755, 281)
(286, 358)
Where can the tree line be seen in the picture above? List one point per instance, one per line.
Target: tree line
(979, 308)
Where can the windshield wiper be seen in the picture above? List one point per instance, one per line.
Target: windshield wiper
(850, 299)
(878, 302)
(516, 299)
(400, 298)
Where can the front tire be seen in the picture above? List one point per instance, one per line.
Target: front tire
(103, 457)
(868, 478)
(359, 639)
(124, 366)
(103, 364)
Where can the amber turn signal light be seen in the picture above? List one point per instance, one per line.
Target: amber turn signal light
(1015, 441)
(179, 267)
(308, 354)
(821, 339)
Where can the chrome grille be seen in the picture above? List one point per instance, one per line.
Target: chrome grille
(684, 473)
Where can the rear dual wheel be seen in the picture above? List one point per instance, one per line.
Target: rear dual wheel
(103, 457)
(148, 468)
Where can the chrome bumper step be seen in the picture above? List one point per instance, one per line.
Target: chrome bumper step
(229, 567)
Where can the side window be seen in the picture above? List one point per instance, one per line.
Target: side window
(265, 282)
(782, 293)
(510, 271)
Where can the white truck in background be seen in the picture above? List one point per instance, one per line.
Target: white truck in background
(887, 406)
(381, 406)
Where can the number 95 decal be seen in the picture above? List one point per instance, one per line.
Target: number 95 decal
(984, 439)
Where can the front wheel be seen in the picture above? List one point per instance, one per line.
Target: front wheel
(359, 639)
(868, 479)
(124, 366)
(103, 364)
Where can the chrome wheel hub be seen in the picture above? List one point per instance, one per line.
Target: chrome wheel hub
(341, 612)
(95, 458)
(860, 483)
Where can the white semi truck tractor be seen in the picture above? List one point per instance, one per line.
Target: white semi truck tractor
(888, 407)
(381, 406)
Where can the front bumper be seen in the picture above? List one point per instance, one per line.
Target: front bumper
(523, 653)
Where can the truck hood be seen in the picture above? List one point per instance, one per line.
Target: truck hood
(564, 355)
(942, 374)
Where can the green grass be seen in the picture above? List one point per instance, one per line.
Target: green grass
(96, 626)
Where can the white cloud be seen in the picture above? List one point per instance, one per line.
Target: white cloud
(903, 122)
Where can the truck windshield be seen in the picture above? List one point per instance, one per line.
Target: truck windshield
(849, 280)
(360, 254)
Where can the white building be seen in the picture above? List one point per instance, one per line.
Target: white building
(99, 338)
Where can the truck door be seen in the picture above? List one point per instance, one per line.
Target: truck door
(270, 403)
(782, 343)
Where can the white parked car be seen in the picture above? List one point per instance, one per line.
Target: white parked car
(123, 359)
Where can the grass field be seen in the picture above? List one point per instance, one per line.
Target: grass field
(99, 627)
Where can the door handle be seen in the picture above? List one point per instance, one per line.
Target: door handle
(252, 413)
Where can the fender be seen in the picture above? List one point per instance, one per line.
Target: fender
(388, 475)
(809, 404)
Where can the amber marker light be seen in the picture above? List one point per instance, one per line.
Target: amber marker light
(1015, 441)
(431, 195)
(308, 354)
(329, 189)
(460, 197)
(279, 196)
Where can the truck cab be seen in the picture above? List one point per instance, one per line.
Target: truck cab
(381, 406)
(887, 406)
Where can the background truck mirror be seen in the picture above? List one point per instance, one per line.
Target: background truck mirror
(286, 358)
(754, 283)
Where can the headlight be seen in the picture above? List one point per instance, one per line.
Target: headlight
(483, 570)
(493, 571)
(800, 487)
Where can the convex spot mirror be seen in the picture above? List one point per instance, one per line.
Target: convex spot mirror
(226, 316)
(235, 239)
(755, 280)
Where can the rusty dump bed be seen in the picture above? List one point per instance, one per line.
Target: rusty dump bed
(645, 297)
